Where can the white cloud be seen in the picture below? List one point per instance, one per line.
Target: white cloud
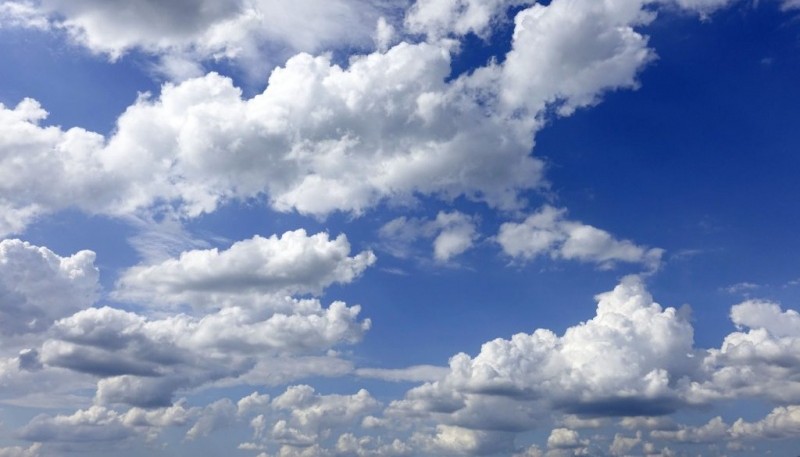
(452, 234)
(145, 361)
(781, 422)
(249, 272)
(548, 232)
(453, 440)
(714, 431)
(390, 116)
(440, 18)
(564, 438)
(22, 14)
(761, 360)
(37, 286)
(568, 53)
(249, 32)
(631, 359)
(300, 420)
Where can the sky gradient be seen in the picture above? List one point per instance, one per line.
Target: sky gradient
(382, 228)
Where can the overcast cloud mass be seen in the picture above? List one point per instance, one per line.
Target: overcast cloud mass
(422, 228)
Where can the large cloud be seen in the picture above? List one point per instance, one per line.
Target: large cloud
(325, 138)
(631, 359)
(37, 286)
(249, 272)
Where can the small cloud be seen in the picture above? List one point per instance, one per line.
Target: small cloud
(743, 288)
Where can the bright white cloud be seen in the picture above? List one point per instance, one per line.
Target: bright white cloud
(249, 272)
(564, 438)
(548, 232)
(390, 117)
(37, 286)
(440, 18)
(630, 359)
(761, 360)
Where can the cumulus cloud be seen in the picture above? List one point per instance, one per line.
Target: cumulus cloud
(396, 122)
(145, 361)
(440, 18)
(548, 232)
(37, 286)
(243, 31)
(629, 360)
(564, 438)
(761, 360)
(299, 420)
(249, 272)
(452, 234)
(98, 424)
(782, 422)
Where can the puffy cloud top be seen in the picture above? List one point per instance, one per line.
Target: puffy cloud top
(250, 271)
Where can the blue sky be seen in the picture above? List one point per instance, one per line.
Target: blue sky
(399, 228)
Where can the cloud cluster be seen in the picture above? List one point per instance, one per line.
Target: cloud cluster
(144, 361)
(548, 232)
(248, 273)
(247, 328)
(324, 137)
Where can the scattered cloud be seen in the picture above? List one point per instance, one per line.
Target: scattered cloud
(548, 232)
(451, 233)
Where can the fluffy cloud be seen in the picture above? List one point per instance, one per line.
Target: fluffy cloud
(761, 361)
(451, 233)
(300, 419)
(246, 31)
(631, 359)
(440, 18)
(145, 361)
(37, 286)
(392, 117)
(250, 271)
(548, 232)
(781, 422)
(564, 438)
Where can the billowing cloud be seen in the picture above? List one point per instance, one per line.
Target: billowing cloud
(145, 361)
(325, 138)
(37, 286)
(761, 361)
(244, 31)
(548, 232)
(440, 18)
(249, 272)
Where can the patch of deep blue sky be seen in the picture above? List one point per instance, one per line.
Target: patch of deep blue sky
(701, 160)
